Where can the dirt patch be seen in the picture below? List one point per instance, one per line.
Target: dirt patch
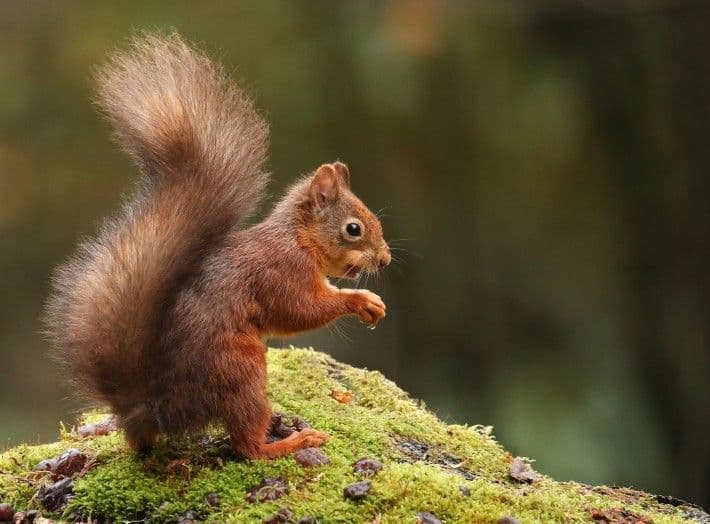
(633, 496)
(418, 451)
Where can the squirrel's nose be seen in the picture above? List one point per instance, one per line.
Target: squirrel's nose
(385, 258)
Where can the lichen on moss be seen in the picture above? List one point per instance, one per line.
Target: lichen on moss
(425, 464)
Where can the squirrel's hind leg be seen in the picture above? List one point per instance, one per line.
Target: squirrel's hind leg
(247, 411)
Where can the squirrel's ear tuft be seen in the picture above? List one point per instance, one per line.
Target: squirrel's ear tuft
(343, 172)
(324, 186)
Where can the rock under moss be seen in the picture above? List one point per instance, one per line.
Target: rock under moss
(455, 473)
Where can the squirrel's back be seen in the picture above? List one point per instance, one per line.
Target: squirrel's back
(200, 147)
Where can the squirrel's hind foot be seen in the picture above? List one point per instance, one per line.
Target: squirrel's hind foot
(312, 438)
(306, 438)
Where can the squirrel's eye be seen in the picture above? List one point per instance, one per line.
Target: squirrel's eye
(353, 229)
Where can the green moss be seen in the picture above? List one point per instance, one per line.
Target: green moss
(425, 463)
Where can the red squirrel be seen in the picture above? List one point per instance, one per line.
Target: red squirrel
(163, 316)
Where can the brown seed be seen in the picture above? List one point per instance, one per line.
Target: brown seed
(96, 429)
(310, 457)
(6, 513)
(367, 467)
(522, 472)
(25, 517)
(299, 424)
(278, 429)
(65, 465)
(46, 465)
(55, 496)
(282, 516)
(32, 516)
(357, 490)
(282, 426)
(424, 517)
(508, 520)
(465, 490)
(190, 517)
(268, 489)
(212, 500)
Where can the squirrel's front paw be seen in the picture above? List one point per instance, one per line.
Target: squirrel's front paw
(313, 438)
(368, 306)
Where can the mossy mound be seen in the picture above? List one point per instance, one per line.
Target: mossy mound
(457, 473)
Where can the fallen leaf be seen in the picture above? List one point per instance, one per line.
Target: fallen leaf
(55, 496)
(424, 517)
(65, 465)
(344, 397)
(96, 429)
(181, 466)
(282, 516)
(179, 463)
(190, 517)
(617, 516)
(268, 489)
(310, 457)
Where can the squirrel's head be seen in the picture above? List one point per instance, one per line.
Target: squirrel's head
(346, 235)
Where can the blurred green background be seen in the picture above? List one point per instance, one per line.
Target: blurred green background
(544, 167)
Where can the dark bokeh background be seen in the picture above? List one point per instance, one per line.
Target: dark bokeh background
(545, 167)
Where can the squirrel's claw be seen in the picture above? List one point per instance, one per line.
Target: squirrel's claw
(368, 306)
(313, 438)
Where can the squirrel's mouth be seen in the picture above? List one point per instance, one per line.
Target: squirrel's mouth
(352, 271)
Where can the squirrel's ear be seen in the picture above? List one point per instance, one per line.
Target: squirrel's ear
(343, 172)
(324, 186)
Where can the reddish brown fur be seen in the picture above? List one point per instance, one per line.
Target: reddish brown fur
(164, 315)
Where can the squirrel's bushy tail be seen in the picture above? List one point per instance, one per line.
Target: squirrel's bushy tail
(201, 148)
